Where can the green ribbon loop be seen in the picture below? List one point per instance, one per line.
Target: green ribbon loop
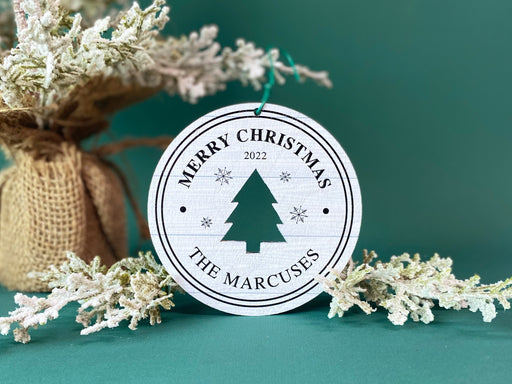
(272, 79)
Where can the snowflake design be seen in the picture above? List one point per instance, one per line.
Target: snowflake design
(298, 214)
(285, 177)
(206, 222)
(223, 176)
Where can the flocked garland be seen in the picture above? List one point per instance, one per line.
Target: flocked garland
(58, 49)
(139, 287)
(132, 289)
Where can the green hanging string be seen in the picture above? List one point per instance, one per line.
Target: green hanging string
(271, 78)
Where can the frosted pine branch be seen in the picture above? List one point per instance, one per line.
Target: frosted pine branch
(408, 287)
(137, 288)
(57, 52)
(132, 289)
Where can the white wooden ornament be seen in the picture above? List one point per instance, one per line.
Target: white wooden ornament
(245, 211)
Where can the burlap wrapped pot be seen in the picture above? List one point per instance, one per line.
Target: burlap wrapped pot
(70, 202)
(57, 197)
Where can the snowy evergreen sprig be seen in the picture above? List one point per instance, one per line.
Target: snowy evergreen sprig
(407, 287)
(132, 289)
(137, 288)
(56, 52)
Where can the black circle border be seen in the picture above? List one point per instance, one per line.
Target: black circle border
(160, 223)
(327, 264)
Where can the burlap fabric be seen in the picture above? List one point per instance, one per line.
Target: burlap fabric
(72, 203)
(57, 197)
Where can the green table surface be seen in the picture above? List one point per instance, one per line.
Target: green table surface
(195, 344)
(422, 105)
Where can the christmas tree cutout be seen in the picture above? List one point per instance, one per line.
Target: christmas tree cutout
(254, 218)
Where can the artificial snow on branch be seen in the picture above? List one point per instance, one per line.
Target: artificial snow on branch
(56, 52)
(136, 288)
(407, 287)
(132, 289)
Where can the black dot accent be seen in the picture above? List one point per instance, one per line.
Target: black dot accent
(183, 209)
(326, 210)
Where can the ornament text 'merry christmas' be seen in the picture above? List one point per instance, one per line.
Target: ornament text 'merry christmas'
(255, 135)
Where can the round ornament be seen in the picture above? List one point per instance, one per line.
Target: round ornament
(246, 210)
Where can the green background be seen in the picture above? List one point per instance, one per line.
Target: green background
(421, 104)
